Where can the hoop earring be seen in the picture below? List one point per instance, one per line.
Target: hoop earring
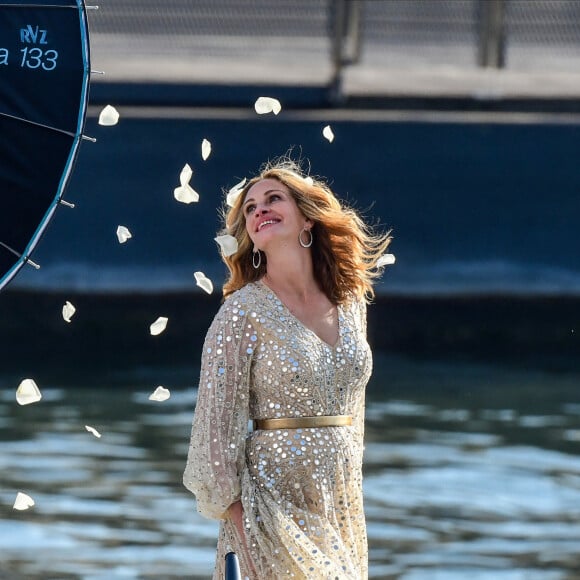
(256, 265)
(307, 244)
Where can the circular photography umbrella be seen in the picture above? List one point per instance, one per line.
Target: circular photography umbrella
(44, 85)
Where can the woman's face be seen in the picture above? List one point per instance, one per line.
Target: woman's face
(272, 216)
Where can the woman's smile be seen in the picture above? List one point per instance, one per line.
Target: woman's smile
(267, 222)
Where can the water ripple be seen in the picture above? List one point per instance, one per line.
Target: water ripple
(451, 490)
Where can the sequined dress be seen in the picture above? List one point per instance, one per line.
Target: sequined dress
(301, 489)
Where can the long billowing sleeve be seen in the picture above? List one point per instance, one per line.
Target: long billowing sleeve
(220, 425)
(360, 309)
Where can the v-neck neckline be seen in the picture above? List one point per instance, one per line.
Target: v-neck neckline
(289, 313)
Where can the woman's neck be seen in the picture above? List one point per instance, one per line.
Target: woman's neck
(292, 276)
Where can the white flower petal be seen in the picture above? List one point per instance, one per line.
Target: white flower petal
(234, 192)
(68, 311)
(386, 260)
(185, 194)
(22, 502)
(328, 134)
(158, 326)
(93, 431)
(309, 180)
(186, 174)
(203, 282)
(109, 116)
(28, 392)
(228, 244)
(264, 105)
(160, 394)
(123, 234)
(205, 149)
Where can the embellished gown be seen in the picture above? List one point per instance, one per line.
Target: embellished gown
(301, 489)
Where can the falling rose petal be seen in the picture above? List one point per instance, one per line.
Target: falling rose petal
(160, 394)
(93, 431)
(186, 194)
(109, 116)
(22, 502)
(228, 244)
(28, 392)
(203, 282)
(264, 105)
(186, 174)
(234, 193)
(158, 326)
(123, 234)
(205, 149)
(68, 311)
(385, 260)
(328, 134)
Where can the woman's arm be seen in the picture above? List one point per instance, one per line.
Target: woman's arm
(217, 448)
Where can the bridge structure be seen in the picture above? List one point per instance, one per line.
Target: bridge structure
(486, 54)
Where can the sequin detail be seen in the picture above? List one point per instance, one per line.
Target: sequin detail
(301, 489)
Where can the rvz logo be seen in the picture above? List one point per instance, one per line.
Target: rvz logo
(33, 35)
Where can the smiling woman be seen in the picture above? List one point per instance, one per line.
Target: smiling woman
(346, 251)
(288, 352)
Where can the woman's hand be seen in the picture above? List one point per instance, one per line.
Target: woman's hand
(236, 513)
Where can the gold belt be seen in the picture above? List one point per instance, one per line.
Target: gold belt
(304, 422)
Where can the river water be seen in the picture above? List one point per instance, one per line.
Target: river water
(471, 471)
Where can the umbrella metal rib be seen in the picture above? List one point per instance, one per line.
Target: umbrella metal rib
(4, 5)
(19, 255)
(69, 133)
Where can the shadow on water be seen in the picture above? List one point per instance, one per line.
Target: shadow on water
(109, 338)
(471, 471)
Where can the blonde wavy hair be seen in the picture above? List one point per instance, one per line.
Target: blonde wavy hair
(345, 249)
